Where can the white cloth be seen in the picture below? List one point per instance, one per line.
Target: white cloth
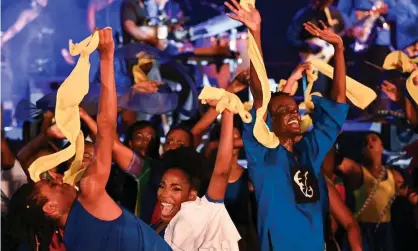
(202, 225)
(11, 180)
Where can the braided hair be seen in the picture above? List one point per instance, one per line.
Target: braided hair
(27, 223)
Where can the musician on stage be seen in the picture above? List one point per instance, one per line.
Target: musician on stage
(379, 44)
(317, 10)
(406, 32)
(135, 15)
(314, 13)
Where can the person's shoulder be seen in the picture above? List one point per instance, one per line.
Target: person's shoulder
(303, 11)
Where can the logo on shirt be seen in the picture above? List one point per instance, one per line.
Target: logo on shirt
(305, 185)
(301, 179)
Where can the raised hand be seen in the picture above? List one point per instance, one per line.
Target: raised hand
(382, 10)
(413, 198)
(251, 18)
(146, 86)
(390, 90)
(240, 82)
(300, 69)
(325, 33)
(106, 45)
(54, 133)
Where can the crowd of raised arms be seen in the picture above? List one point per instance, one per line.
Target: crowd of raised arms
(299, 194)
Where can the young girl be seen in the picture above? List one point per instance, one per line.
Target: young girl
(187, 221)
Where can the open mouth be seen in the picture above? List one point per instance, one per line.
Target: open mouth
(293, 123)
(166, 209)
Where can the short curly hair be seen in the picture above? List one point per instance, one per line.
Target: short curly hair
(192, 164)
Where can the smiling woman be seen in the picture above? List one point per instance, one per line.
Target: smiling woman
(181, 182)
(193, 220)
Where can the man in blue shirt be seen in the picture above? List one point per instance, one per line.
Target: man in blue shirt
(286, 178)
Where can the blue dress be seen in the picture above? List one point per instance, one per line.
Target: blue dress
(83, 232)
(287, 191)
(237, 199)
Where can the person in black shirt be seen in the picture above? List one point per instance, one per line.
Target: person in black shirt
(137, 15)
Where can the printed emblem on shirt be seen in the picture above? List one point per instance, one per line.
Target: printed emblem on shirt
(305, 185)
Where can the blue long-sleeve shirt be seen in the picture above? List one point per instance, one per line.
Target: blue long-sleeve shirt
(406, 23)
(290, 203)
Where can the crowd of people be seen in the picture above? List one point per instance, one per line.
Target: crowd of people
(297, 192)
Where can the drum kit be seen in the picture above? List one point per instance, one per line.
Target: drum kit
(178, 72)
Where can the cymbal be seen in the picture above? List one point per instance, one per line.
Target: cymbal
(156, 103)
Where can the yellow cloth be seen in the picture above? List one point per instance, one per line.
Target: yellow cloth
(397, 60)
(385, 191)
(227, 100)
(360, 95)
(248, 105)
(411, 87)
(261, 131)
(283, 83)
(139, 75)
(67, 116)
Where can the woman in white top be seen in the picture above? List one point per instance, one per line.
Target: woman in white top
(188, 222)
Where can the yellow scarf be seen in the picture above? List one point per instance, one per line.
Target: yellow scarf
(227, 100)
(139, 75)
(359, 94)
(67, 116)
(397, 60)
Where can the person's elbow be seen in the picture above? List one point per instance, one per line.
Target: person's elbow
(352, 226)
(346, 166)
(223, 174)
(106, 125)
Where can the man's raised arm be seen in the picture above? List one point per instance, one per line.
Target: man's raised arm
(97, 174)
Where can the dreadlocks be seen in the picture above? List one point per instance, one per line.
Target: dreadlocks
(27, 222)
